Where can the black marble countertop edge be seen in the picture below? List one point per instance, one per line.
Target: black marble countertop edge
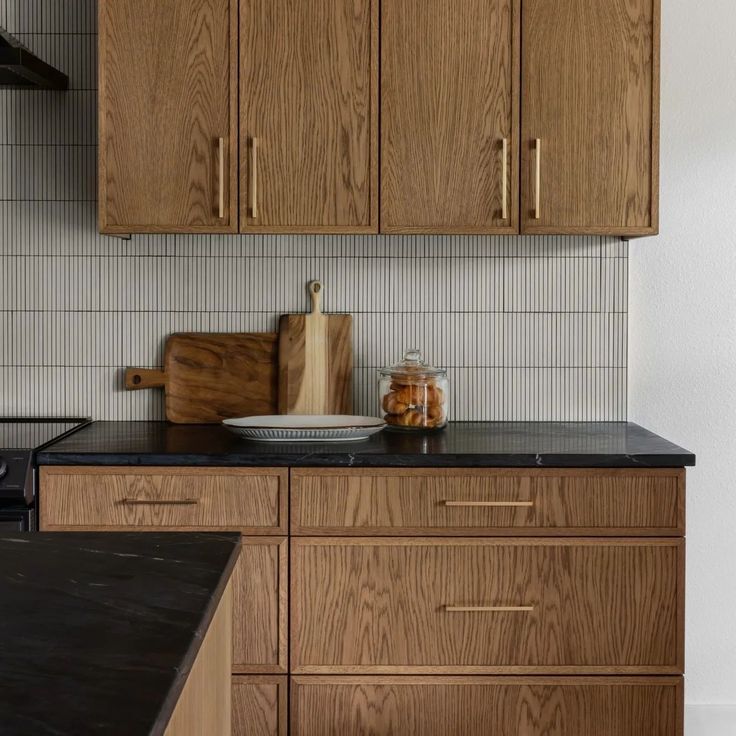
(177, 686)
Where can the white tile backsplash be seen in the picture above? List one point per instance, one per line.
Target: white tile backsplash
(529, 328)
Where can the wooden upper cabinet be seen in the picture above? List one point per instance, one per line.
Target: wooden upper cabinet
(168, 116)
(449, 100)
(309, 119)
(590, 86)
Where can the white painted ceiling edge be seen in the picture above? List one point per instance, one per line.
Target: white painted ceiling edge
(682, 352)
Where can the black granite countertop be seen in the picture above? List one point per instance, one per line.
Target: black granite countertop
(462, 444)
(98, 632)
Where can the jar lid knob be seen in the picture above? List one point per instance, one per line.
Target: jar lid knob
(413, 356)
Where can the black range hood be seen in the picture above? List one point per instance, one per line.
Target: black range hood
(21, 69)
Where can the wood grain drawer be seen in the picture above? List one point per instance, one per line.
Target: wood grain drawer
(396, 606)
(252, 501)
(260, 705)
(479, 706)
(465, 502)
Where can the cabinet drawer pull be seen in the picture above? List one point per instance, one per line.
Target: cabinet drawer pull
(254, 178)
(221, 168)
(538, 180)
(489, 609)
(153, 502)
(505, 179)
(491, 504)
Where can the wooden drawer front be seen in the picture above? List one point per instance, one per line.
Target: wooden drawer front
(260, 606)
(259, 705)
(251, 501)
(589, 606)
(481, 706)
(490, 502)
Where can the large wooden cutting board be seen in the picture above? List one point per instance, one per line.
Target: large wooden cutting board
(209, 377)
(316, 361)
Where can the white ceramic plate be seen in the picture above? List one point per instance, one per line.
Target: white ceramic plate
(305, 428)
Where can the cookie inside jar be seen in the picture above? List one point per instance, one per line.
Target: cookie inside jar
(413, 394)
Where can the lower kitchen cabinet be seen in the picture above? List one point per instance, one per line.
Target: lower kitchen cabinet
(480, 706)
(260, 705)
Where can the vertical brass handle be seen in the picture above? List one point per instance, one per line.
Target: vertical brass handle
(254, 178)
(221, 164)
(505, 179)
(538, 180)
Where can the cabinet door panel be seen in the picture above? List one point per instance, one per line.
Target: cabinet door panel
(449, 97)
(308, 97)
(590, 86)
(479, 706)
(568, 606)
(167, 95)
(259, 705)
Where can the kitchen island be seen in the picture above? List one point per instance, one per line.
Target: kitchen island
(115, 633)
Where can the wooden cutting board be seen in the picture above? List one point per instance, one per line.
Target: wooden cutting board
(209, 377)
(316, 361)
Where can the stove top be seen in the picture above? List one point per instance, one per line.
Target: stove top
(20, 437)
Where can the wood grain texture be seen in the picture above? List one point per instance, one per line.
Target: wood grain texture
(260, 705)
(261, 585)
(209, 377)
(481, 706)
(167, 93)
(205, 705)
(309, 95)
(449, 96)
(315, 361)
(252, 501)
(378, 606)
(590, 93)
(400, 502)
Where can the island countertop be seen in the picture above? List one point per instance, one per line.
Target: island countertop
(98, 631)
(461, 444)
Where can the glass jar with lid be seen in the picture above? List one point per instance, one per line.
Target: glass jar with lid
(413, 395)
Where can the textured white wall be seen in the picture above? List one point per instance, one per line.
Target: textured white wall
(683, 331)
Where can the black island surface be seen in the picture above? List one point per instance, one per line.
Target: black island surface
(99, 631)
(461, 444)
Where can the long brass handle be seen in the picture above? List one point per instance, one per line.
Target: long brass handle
(254, 178)
(538, 180)
(492, 504)
(153, 502)
(505, 179)
(489, 609)
(221, 164)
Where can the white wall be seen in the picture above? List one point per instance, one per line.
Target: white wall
(683, 331)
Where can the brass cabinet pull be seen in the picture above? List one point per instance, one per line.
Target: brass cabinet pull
(254, 178)
(505, 179)
(489, 609)
(491, 504)
(538, 180)
(221, 164)
(153, 502)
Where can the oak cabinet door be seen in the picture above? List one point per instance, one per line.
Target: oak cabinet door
(259, 705)
(494, 606)
(168, 116)
(486, 706)
(590, 86)
(308, 111)
(449, 113)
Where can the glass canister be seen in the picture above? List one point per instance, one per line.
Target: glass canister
(413, 395)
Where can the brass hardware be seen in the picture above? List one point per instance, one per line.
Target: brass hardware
(492, 504)
(504, 180)
(152, 502)
(221, 193)
(489, 609)
(254, 178)
(538, 180)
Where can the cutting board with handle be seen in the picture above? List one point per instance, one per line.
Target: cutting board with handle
(316, 360)
(209, 377)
